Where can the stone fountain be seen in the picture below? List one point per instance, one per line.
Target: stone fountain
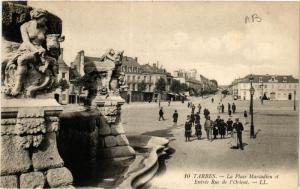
(96, 135)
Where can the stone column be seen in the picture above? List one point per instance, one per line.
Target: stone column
(113, 142)
(29, 155)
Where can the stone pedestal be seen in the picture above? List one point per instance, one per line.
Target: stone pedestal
(28, 144)
(112, 140)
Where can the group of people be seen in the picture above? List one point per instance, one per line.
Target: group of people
(231, 108)
(214, 128)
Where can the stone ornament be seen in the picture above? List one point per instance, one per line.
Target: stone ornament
(104, 74)
(32, 68)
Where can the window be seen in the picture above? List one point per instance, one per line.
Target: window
(63, 75)
(260, 79)
(128, 78)
(290, 86)
(284, 79)
(273, 79)
(138, 77)
(133, 78)
(144, 78)
(63, 97)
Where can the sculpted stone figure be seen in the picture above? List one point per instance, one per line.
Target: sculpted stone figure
(105, 73)
(33, 66)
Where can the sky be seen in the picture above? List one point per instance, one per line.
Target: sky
(211, 37)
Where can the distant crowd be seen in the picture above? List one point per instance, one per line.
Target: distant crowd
(213, 129)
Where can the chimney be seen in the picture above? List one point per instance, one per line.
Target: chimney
(136, 59)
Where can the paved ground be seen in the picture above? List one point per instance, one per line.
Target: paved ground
(273, 152)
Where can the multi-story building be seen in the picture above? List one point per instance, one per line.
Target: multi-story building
(62, 96)
(273, 87)
(197, 83)
(136, 74)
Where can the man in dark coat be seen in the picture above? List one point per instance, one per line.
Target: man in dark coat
(238, 127)
(233, 108)
(188, 129)
(229, 126)
(161, 114)
(206, 113)
(215, 129)
(229, 107)
(222, 107)
(192, 118)
(175, 117)
(222, 128)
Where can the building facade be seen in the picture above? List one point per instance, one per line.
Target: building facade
(138, 75)
(62, 95)
(197, 83)
(271, 87)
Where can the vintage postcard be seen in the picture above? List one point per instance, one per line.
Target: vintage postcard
(149, 94)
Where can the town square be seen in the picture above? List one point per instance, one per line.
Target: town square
(147, 94)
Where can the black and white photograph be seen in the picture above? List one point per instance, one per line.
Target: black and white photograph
(150, 94)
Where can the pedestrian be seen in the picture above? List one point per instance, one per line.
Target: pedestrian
(207, 126)
(193, 107)
(149, 100)
(199, 108)
(192, 118)
(169, 102)
(182, 100)
(161, 114)
(229, 107)
(198, 130)
(175, 117)
(206, 113)
(245, 117)
(197, 117)
(216, 126)
(219, 108)
(188, 105)
(233, 108)
(188, 129)
(238, 127)
(222, 128)
(212, 100)
(229, 113)
(222, 107)
(229, 126)
(215, 129)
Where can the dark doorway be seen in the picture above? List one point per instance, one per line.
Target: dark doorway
(72, 99)
(290, 96)
(56, 96)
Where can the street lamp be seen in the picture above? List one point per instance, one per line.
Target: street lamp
(251, 78)
(295, 100)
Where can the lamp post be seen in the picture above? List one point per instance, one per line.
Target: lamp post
(295, 100)
(251, 78)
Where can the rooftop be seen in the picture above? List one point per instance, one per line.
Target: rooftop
(268, 79)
